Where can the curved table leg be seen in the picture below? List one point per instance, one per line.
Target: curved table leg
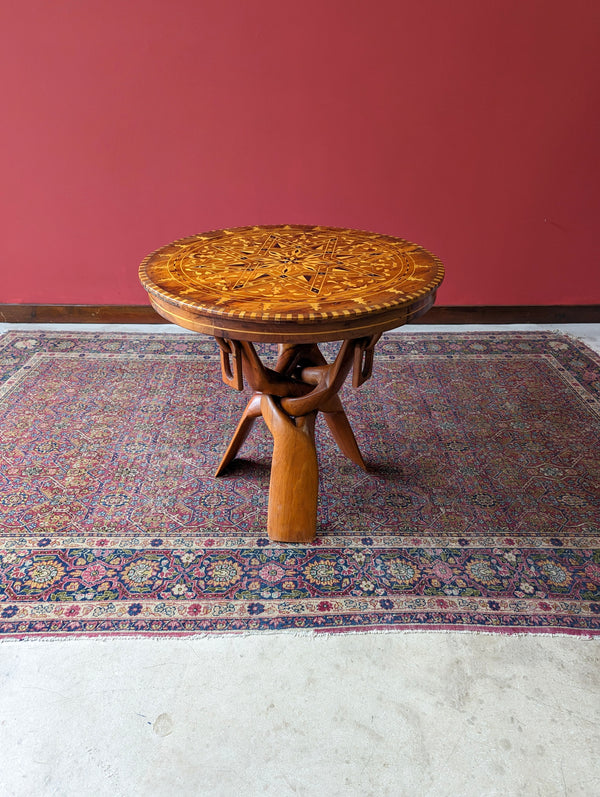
(333, 409)
(294, 475)
(250, 414)
(342, 433)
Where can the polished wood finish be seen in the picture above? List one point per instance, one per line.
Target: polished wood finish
(291, 282)
(437, 315)
(294, 485)
(296, 286)
(288, 397)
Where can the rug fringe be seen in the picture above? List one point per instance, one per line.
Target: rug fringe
(314, 633)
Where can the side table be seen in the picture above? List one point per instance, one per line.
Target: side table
(296, 286)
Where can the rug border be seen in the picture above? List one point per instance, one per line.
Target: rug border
(310, 631)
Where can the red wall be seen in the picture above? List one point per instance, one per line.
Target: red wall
(470, 126)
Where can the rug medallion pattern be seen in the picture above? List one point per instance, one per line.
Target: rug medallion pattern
(481, 509)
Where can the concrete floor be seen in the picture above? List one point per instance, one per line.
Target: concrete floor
(424, 713)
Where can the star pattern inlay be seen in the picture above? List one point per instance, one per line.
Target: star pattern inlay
(274, 270)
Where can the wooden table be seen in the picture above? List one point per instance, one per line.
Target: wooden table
(295, 286)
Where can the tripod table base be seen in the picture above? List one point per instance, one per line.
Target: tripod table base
(289, 397)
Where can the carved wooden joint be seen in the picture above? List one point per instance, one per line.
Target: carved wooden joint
(331, 378)
(265, 380)
(363, 360)
(232, 376)
(290, 355)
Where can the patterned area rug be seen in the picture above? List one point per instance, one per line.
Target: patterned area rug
(481, 509)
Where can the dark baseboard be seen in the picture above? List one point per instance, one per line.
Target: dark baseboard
(514, 314)
(79, 314)
(144, 314)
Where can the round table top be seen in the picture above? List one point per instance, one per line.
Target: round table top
(291, 282)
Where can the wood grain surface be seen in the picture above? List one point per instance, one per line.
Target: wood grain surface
(291, 282)
(296, 286)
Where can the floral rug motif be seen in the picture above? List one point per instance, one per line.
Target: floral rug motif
(481, 509)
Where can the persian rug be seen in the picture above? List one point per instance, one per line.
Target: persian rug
(481, 509)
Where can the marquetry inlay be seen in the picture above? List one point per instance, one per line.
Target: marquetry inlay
(285, 272)
(295, 286)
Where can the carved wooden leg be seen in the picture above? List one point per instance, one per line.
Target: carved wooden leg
(340, 428)
(250, 414)
(332, 408)
(294, 475)
(289, 398)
